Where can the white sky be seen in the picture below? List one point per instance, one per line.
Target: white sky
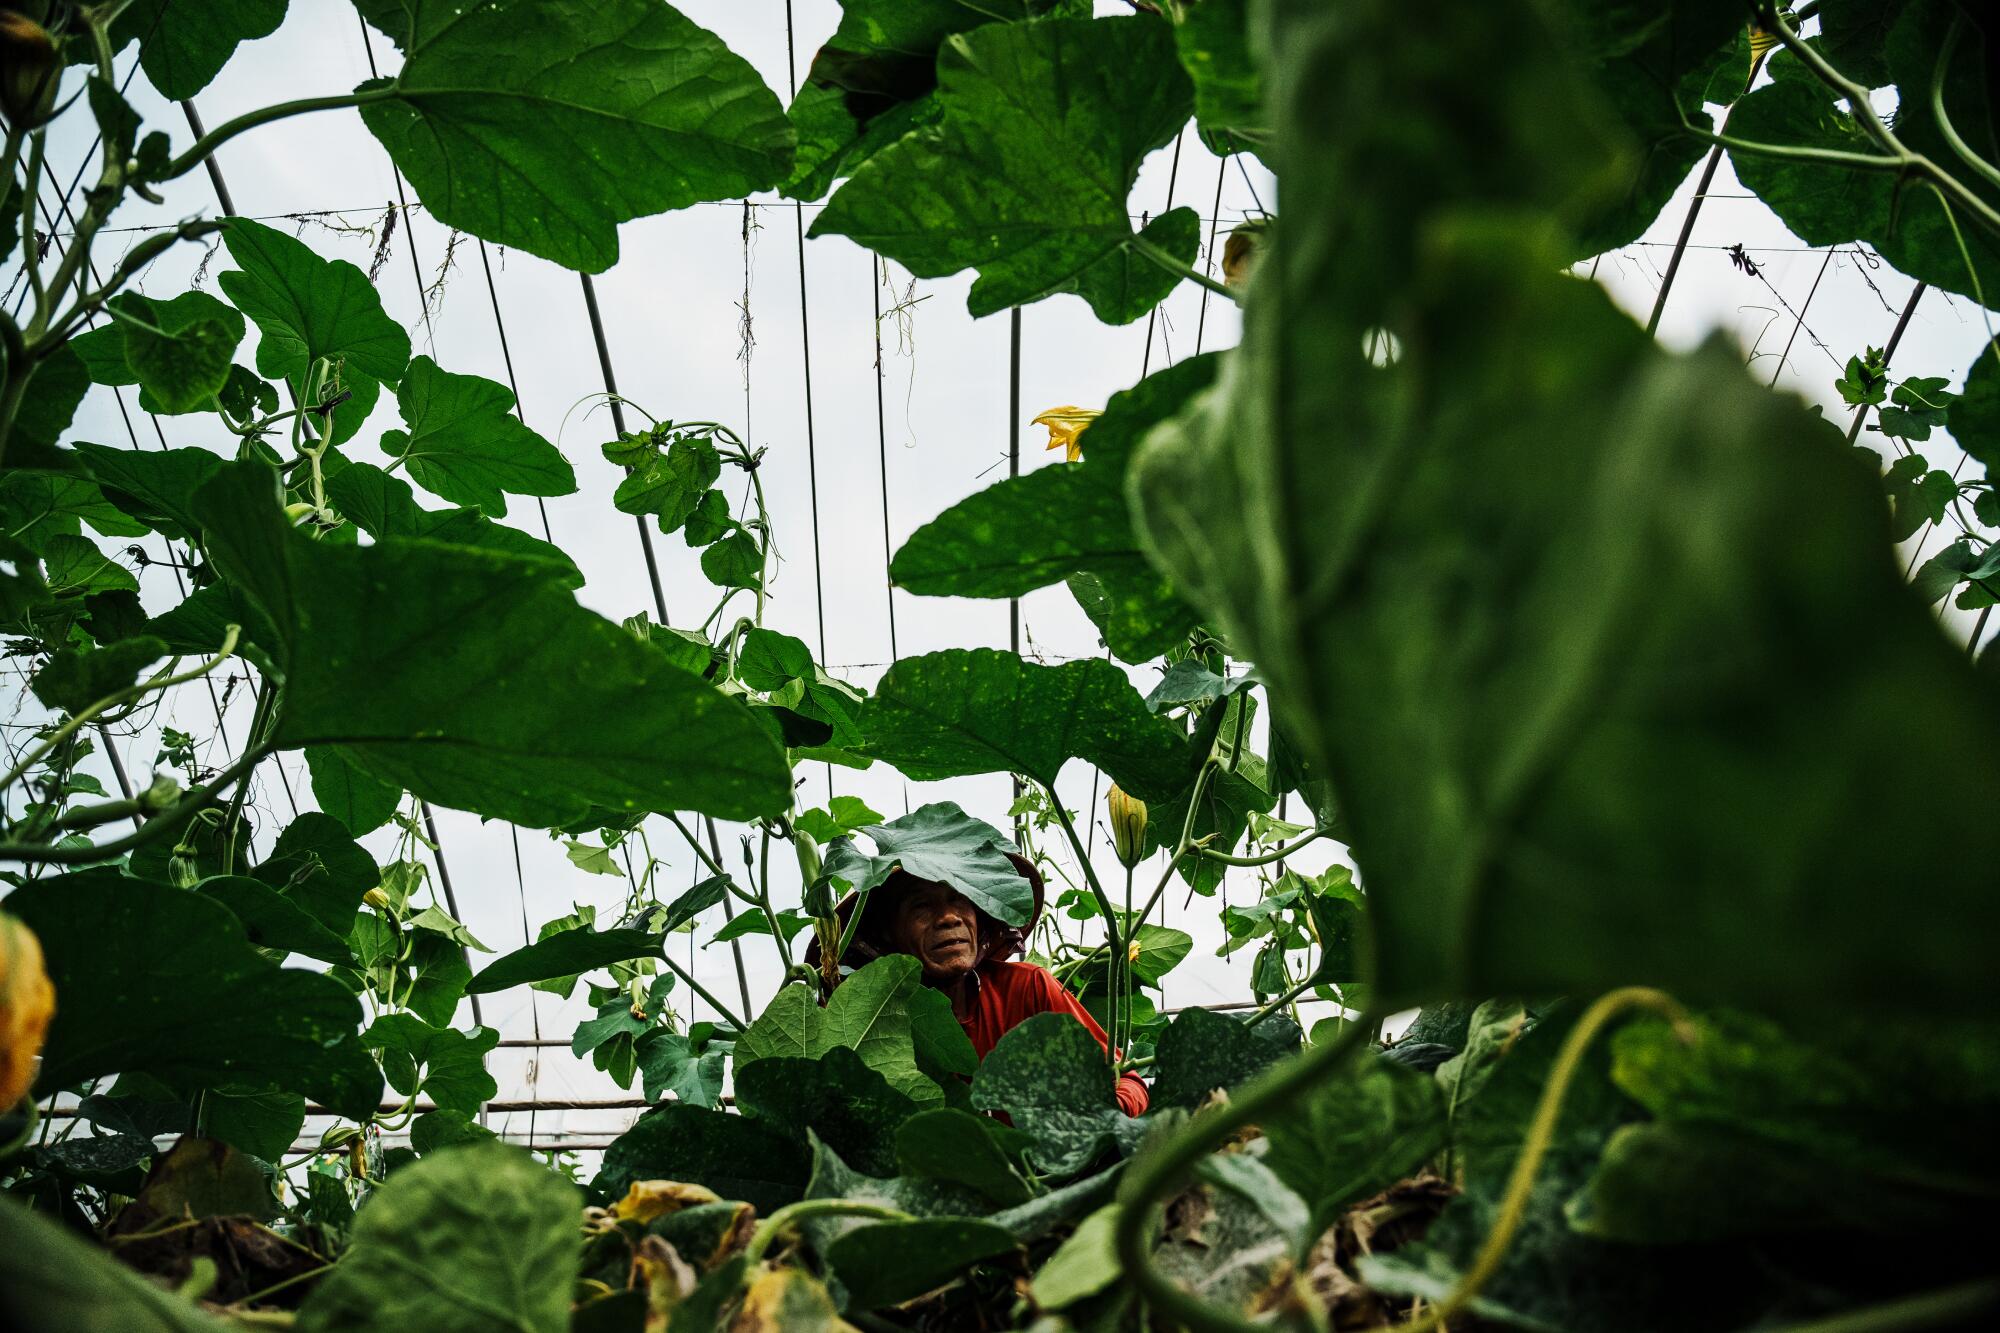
(671, 310)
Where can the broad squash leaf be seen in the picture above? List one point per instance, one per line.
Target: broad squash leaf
(488, 688)
(543, 124)
(1050, 1075)
(565, 954)
(983, 710)
(465, 444)
(1041, 130)
(182, 46)
(384, 506)
(475, 1236)
(941, 843)
(736, 1156)
(52, 1279)
(443, 1064)
(869, 1013)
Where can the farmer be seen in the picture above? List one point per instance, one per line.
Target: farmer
(965, 953)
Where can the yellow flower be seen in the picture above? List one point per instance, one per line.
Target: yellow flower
(648, 1199)
(1065, 424)
(27, 1002)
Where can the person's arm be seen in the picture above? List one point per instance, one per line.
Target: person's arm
(1131, 1090)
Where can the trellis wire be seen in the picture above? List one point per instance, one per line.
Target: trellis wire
(805, 353)
(878, 272)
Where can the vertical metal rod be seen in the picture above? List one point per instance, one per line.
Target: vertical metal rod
(1014, 470)
(214, 168)
(878, 274)
(1888, 352)
(1687, 229)
(618, 422)
(729, 914)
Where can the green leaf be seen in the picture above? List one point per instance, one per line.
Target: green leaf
(1125, 284)
(956, 1146)
(1041, 130)
(1546, 791)
(272, 920)
(77, 677)
(843, 1101)
(869, 1013)
(669, 1063)
(834, 1179)
(941, 843)
(673, 482)
(693, 903)
(157, 489)
(1051, 1076)
(46, 411)
(781, 666)
(476, 1236)
(183, 47)
(1086, 1263)
(891, 1262)
(737, 1157)
(733, 562)
(132, 960)
(982, 710)
(50, 1278)
(39, 505)
(543, 124)
(488, 688)
(360, 802)
(1355, 1134)
(566, 953)
(1202, 1050)
(77, 569)
(1974, 418)
(263, 1124)
(875, 79)
(1027, 532)
(1213, 41)
(445, 1065)
(384, 506)
(434, 1130)
(843, 815)
(465, 444)
(754, 922)
(317, 865)
(306, 308)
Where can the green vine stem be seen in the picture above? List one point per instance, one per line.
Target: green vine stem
(1268, 857)
(200, 150)
(775, 1225)
(1153, 254)
(169, 822)
(1948, 1307)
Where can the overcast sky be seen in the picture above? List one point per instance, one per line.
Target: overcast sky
(674, 311)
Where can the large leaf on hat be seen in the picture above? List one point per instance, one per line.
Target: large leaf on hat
(1041, 130)
(941, 843)
(1071, 518)
(474, 679)
(543, 124)
(1648, 714)
(983, 710)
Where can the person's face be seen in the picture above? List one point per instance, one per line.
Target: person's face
(935, 924)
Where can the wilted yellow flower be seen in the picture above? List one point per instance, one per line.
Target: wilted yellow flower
(648, 1199)
(1128, 826)
(1761, 43)
(1065, 424)
(27, 1002)
(1239, 252)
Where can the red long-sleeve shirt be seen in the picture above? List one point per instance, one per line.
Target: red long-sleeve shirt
(1003, 994)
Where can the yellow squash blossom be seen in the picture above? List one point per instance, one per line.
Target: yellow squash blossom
(1065, 424)
(27, 1002)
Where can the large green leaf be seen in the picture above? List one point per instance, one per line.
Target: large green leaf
(941, 843)
(487, 687)
(317, 865)
(183, 46)
(1027, 532)
(384, 506)
(306, 308)
(179, 372)
(1041, 130)
(1356, 1133)
(465, 444)
(834, 1179)
(271, 920)
(983, 710)
(1050, 1075)
(359, 801)
(891, 1262)
(951, 1145)
(840, 1099)
(443, 1064)
(875, 78)
(1202, 1050)
(45, 413)
(869, 1013)
(1213, 41)
(1548, 789)
(564, 954)
(52, 1281)
(737, 1157)
(156, 489)
(479, 1236)
(161, 981)
(543, 124)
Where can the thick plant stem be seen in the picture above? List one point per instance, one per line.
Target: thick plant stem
(1681, 243)
(773, 1226)
(1268, 857)
(170, 822)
